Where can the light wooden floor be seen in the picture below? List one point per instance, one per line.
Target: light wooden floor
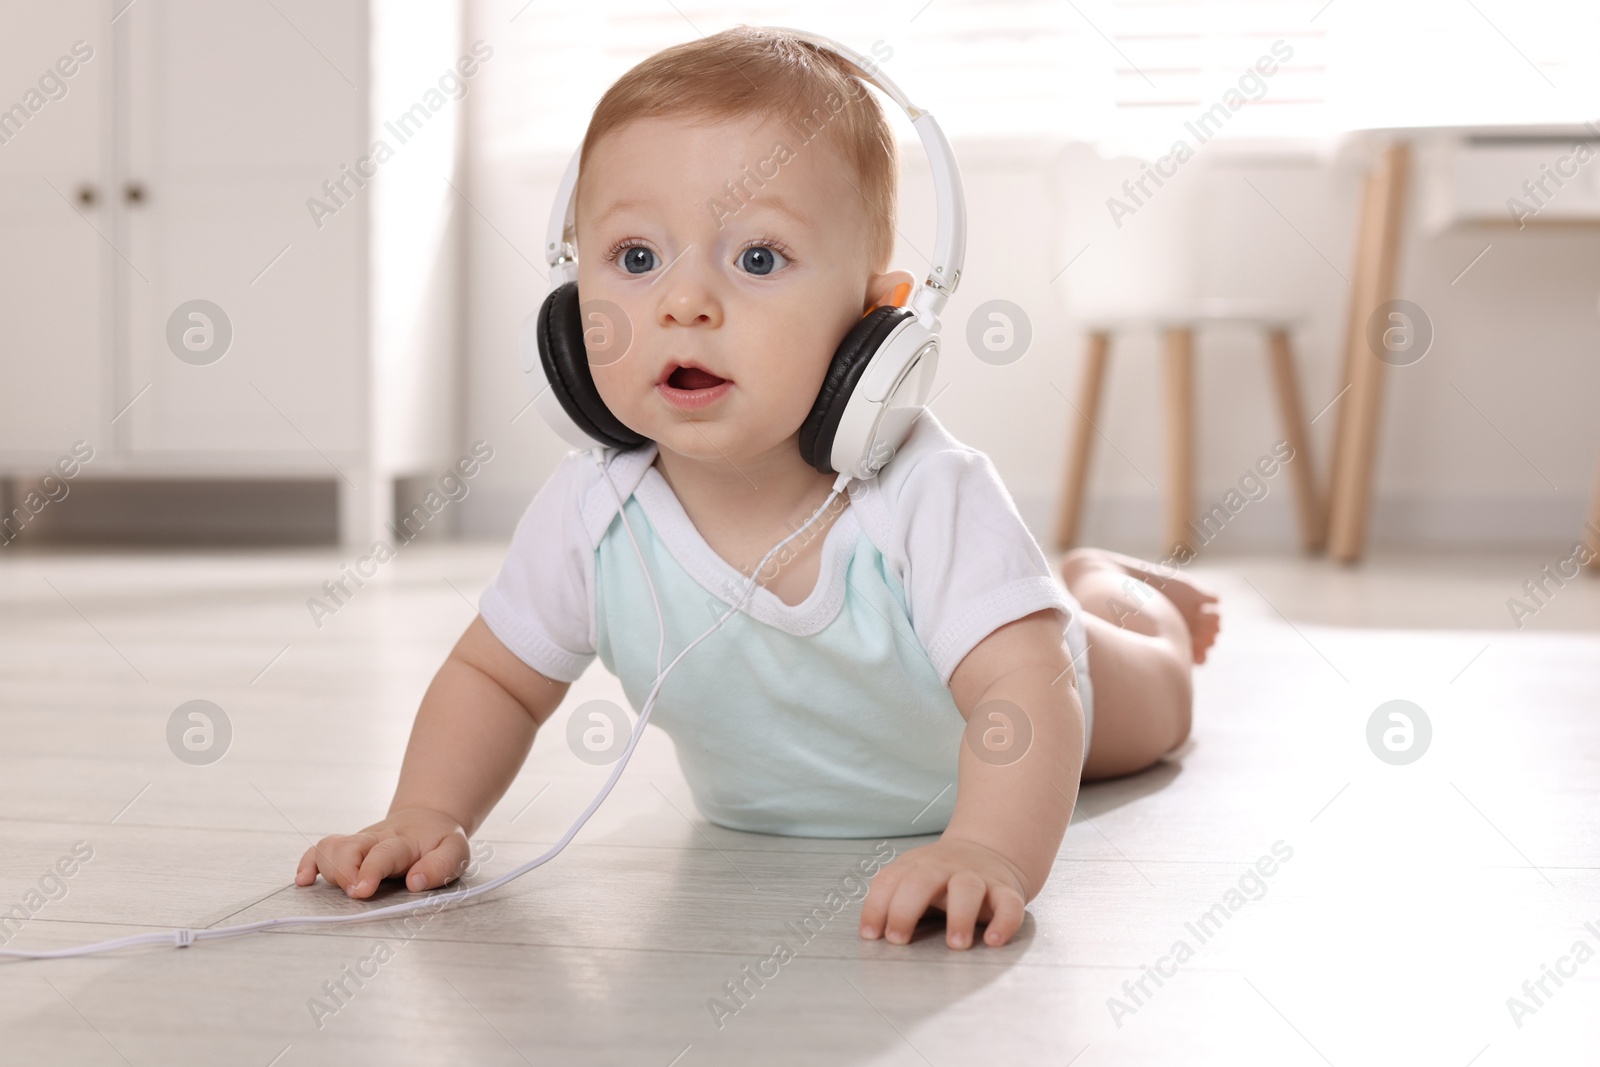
(1417, 900)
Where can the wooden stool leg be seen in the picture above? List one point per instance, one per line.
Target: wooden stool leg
(1591, 529)
(1356, 438)
(1281, 356)
(1180, 441)
(1082, 445)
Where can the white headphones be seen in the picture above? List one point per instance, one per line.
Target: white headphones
(881, 373)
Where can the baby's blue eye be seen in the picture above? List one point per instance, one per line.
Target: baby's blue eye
(638, 260)
(761, 259)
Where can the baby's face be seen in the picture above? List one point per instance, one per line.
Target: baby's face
(759, 295)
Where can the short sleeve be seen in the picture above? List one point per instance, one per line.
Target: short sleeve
(970, 564)
(541, 603)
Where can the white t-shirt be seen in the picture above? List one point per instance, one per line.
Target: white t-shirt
(929, 558)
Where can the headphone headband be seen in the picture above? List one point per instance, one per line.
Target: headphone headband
(950, 241)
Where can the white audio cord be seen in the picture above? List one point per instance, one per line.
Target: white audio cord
(183, 937)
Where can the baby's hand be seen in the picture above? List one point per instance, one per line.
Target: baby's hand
(427, 846)
(965, 880)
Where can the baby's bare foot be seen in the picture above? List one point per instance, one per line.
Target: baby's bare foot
(1197, 605)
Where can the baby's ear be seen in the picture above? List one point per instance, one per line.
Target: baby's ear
(893, 287)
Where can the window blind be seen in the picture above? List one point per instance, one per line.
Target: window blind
(1126, 71)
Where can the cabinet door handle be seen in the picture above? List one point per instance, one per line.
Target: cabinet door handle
(133, 193)
(86, 195)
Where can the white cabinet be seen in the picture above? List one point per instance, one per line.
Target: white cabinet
(53, 265)
(207, 132)
(232, 121)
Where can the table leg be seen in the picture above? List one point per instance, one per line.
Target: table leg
(1356, 439)
(1180, 441)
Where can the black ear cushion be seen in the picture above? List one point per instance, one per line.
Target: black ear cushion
(566, 365)
(849, 362)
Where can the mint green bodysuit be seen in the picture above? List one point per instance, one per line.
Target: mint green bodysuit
(828, 718)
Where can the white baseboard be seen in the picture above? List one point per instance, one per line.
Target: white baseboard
(1133, 523)
(491, 512)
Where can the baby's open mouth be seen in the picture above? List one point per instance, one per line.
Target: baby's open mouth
(689, 378)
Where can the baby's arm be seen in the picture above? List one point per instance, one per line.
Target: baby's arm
(1011, 813)
(473, 731)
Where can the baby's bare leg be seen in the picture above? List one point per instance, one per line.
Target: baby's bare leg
(1143, 641)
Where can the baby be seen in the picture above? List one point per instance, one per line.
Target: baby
(913, 666)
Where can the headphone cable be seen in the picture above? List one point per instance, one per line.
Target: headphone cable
(183, 937)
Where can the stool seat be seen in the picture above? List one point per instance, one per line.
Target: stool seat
(1178, 324)
(1192, 314)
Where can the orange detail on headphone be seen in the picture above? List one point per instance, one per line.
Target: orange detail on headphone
(898, 298)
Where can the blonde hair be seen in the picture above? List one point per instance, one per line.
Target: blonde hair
(750, 71)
